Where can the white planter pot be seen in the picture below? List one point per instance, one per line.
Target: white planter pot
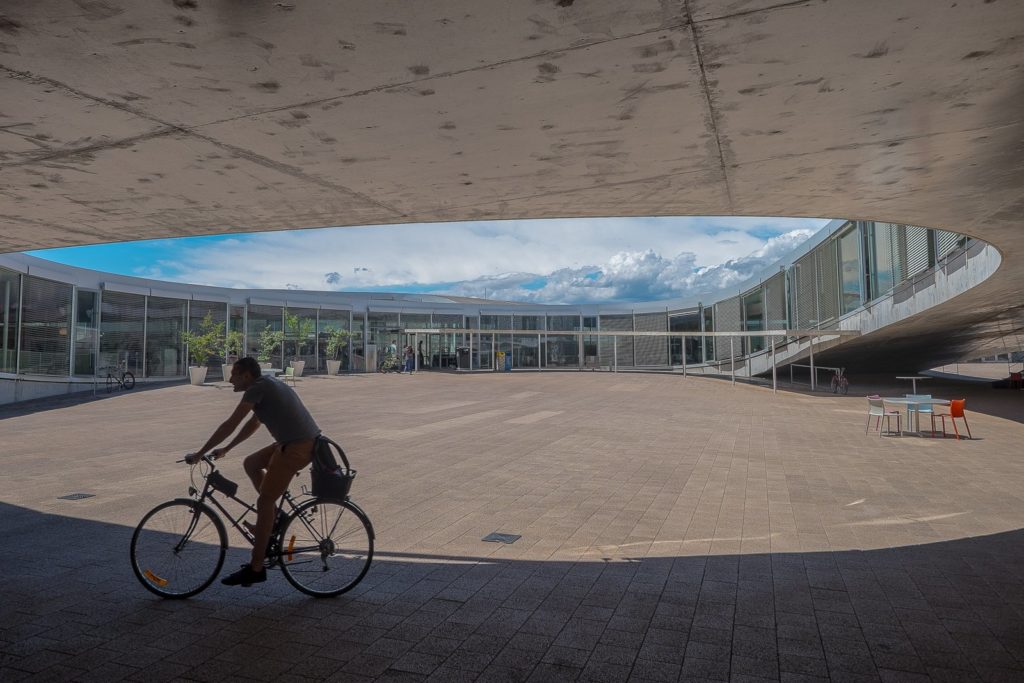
(226, 369)
(333, 366)
(298, 366)
(196, 375)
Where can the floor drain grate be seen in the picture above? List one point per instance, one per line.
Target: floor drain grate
(76, 496)
(501, 538)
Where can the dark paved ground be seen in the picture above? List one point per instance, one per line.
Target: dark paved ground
(672, 529)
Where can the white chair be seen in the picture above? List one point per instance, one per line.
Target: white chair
(289, 375)
(877, 410)
(921, 410)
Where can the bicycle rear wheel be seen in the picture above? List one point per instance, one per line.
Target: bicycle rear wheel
(128, 380)
(326, 547)
(178, 549)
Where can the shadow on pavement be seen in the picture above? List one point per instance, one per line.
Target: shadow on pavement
(72, 609)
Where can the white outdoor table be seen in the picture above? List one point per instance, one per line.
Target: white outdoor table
(913, 381)
(912, 403)
(270, 372)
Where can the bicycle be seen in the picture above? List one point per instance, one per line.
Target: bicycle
(390, 364)
(124, 379)
(323, 546)
(840, 384)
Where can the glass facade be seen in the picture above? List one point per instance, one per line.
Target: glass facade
(55, 329)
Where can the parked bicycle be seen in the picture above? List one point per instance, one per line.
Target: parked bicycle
(840, 384)
(323, 546)
(390, 363)
(119, 376)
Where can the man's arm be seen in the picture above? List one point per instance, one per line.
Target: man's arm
(229, 425)
(247, 430)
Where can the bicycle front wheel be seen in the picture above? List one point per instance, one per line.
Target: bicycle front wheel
(128, 380)
(178, 549)
(326, 547)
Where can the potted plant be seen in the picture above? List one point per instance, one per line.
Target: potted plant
(299, 330)
(203, 343)
(337, 340)
(233, 344)
(268, 342)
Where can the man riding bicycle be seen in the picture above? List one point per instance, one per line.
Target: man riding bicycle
(276, 405)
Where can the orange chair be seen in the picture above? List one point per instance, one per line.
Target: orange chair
(956, 409)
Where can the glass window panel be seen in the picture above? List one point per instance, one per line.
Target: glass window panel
(236, 333)
(45, 327)
(332, 321)
(10, 289)
(384, 330)
(650, 350)
(590, 343)
(265, 329)
(728, 318)
(850, 270)
(753, 319)
(165, 320)
(357, 342)
(300, 336)
(624, 344)
(709, 342)
(685, 322)
(122, 318)
(525, 351)
(197, 312)
(446, 320)
(563, 323)
(86, 332)
(527, 322)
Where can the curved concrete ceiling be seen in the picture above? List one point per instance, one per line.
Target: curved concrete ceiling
(126, 121)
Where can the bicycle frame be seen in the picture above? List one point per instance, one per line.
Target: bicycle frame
(207, 494)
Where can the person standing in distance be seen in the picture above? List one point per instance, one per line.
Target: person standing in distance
(276, 405)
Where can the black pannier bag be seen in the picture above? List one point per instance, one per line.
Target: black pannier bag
(330, 480)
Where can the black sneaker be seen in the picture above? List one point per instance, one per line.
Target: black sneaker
(245, 577)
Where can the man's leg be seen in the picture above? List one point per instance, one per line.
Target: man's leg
(283, 466)
(256, 464)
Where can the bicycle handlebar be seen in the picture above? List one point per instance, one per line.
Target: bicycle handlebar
(206, 458)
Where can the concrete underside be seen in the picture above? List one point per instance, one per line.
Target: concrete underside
(671, 529)
(129, 121)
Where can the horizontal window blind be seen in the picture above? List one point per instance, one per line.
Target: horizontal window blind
(651, 350)
(165, 321)
(45, 327)
(121, 322)
(10, 292)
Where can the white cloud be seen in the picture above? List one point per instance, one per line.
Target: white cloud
(633, 276)
(566, 260)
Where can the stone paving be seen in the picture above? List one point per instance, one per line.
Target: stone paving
(672, 529)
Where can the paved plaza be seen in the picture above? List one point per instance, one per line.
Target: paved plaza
(672, 529)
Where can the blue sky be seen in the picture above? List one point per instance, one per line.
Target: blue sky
(615, 260)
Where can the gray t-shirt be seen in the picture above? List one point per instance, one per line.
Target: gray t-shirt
(278, 407)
